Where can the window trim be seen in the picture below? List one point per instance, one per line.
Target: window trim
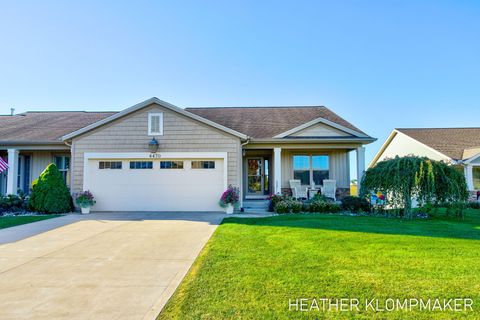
(310, 162)
(202, 168)
(172, 161)
(139, 161)
(110, 166)
(65, 172)
(160, 125)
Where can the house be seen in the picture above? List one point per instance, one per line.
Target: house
(457, 146)
(155, 156)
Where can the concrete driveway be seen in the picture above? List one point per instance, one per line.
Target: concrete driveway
(103, 266)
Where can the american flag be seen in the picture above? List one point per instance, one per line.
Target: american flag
(3, 165)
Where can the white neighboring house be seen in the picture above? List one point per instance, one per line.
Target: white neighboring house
(457, 146)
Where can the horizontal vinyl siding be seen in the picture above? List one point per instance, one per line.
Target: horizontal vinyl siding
(180, 134)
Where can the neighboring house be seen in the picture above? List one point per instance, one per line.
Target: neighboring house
(457, 146)
(200, 152)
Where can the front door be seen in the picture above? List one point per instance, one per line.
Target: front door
(257, 176)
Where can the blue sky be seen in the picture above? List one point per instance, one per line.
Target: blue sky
(379, 64)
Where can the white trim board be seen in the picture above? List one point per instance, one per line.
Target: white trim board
(324, 121)
(144, 104)
(154, 156)
(392, 136)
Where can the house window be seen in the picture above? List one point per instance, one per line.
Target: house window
(310, 169)
(476, 177)
(63, 165)
(110, 165)
(301, 169)
(171, 164)
(203, 164)
(141, 164)
(155, 124)
(319, 169)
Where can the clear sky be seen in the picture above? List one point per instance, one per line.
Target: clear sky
(379, 64)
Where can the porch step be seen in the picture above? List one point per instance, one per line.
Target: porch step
(259, 210)
(255, 205)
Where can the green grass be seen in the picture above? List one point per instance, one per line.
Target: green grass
(11, 221)
(250, 268)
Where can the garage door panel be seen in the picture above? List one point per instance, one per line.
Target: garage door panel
(156, 189)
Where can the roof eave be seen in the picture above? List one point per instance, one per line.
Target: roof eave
(365, 140)
(146, 103)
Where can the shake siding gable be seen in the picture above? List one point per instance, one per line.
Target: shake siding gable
(130, 134)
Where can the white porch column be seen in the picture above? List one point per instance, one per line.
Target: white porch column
(469, 176)
(12, 171)
(360, 165)
(277, 170)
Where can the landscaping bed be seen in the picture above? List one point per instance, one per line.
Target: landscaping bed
(252, 268)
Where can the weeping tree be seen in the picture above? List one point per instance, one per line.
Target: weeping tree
(426, 180)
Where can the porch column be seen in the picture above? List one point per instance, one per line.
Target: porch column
(469, 176)
(277, 170)
(12, 171)
(360, 165)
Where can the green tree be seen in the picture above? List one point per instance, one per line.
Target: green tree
(404, 178)
(50, 193)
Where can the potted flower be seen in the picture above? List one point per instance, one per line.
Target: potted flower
(85, 200)
(229, 199)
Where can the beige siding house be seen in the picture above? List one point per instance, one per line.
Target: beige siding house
(155, 156)
(457, 146)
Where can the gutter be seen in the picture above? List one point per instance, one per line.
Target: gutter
(316, 140)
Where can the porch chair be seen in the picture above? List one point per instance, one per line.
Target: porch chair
(298, 192)
(329, 189)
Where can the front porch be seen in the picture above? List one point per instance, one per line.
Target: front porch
(268, 170)
(26, 163)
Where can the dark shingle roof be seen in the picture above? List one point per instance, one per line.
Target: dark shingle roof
(256, 122)
(267, 122)
(45, 127)
(450, 141)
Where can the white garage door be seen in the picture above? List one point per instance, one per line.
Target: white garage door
(156, 184)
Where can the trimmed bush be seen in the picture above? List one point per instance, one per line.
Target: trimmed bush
(474, 205)
(11, 203)
(324, 207)
(355, 204)
(50, 193)
(288, 206)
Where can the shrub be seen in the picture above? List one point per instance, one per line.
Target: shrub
(355, 204)
(456, 208)
(296, 206)
(324, 207)
(320, 197)
(474, 205)
(282, 207)
(274, 199)
(288, 206)
(12, 202)
(50, 193)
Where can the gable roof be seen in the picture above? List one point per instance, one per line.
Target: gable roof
(268, 122)
(44, 127)
(451, 142)
(146, 103)
(244, 122)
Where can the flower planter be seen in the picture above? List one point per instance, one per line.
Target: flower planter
(229, 208)
(85, 210)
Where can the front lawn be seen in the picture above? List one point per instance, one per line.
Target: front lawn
(11, 221)
(250, 268)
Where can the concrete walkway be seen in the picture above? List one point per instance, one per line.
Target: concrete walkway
(101, 266)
